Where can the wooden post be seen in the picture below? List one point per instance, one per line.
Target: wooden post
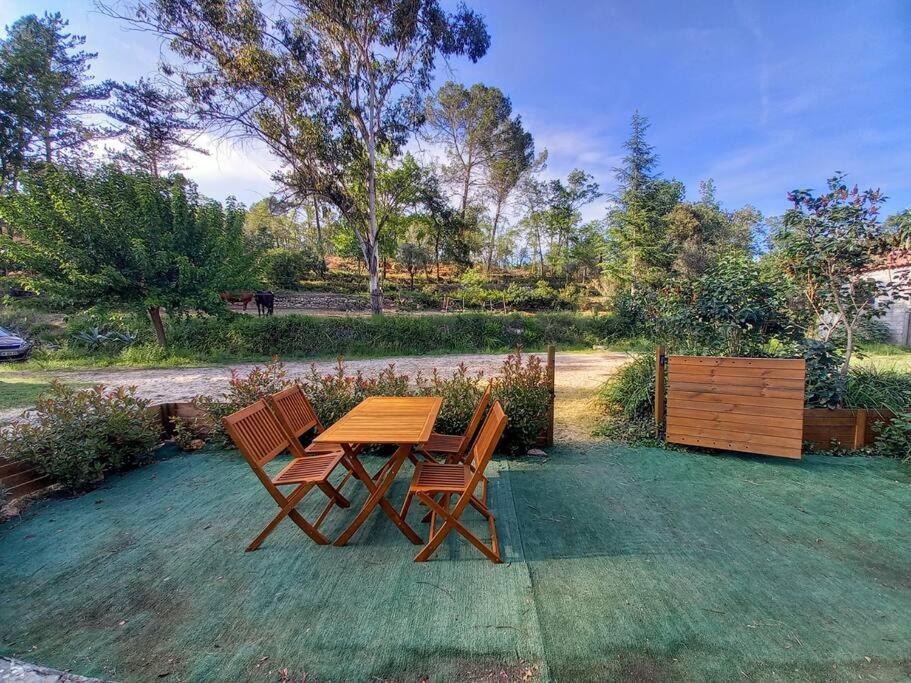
(551, 370)
(860, 429)
(659, 389)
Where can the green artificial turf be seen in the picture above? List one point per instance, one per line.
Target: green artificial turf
(621, 564)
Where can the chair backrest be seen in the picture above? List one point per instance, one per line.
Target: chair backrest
(489, 437)
(475, 421)
(294, 411)
(256, 432)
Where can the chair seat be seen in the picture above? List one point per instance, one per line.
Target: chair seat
(314, 468)
(443, 443)
(323, 448)
(432, 476)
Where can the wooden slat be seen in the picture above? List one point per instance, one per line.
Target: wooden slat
(740, 446)
(736, 408)
(746, 418)
(792, 382)
(711, 396)
(731, 435)
(754, 405)
(734, 390)
(385, 419)
(689, 425)
(712, 361)
(724, 371)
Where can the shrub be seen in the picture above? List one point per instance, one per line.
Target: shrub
(241, 336)
(334, 394)
(460, 394)
(78, 436)
(893, 440)
(285, 268)
(877, 388)
(628, 399)
(630, 393)
(825, 387)
(522, 388)
(243, 390)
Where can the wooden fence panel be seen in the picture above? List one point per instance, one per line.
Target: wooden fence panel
(753, 405)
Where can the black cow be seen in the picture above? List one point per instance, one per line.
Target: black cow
(265, 303)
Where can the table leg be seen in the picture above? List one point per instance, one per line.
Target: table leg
(377, 497)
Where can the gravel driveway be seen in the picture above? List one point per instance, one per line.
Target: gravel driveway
(574, 371)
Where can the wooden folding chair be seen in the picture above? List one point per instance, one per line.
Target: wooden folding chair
(459, 479)
(451, 447)
(297, 417)
(259, 436)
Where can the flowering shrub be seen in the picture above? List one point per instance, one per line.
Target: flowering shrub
(243, 390)
(523, 390)
(333, 395)
(77, 436)
(460, 394)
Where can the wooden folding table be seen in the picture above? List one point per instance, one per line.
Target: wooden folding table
(403, 421)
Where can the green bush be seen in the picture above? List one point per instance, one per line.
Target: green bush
(628, 400)
(630, 392)
(296, 336)
(460, 394)
(334, 394)
(522, 388)
(78, 436)
(869, 387)
(242, 391)
(285, 268)
(893, 440)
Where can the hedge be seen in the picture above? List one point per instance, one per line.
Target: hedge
(308, 336)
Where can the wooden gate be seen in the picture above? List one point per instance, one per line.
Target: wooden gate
(753, 405)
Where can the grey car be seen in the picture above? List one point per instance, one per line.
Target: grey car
(13, 347)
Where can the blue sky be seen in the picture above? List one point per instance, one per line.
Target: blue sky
(761, 96)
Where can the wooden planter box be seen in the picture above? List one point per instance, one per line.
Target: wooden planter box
(851, 428)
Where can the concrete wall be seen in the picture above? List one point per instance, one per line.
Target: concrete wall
(898, 318)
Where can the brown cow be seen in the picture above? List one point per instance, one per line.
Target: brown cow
(243, 298)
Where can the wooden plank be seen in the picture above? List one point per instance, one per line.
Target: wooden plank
(712, 361)
(795, 382)
(385, 419)
(723, 371)
(739, 446)
(660, 399)
(551, 374)
(683, 424)
(860, 429)
(691, 430)
(733, 408)
(772, 392)
(735, 399)
(747, 418)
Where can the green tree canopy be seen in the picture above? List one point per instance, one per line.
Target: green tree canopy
(127, 239)
(325, 84)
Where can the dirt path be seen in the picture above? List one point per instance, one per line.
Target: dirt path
(577, 375)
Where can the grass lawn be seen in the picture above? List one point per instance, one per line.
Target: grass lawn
(621, 564)
(20, 391)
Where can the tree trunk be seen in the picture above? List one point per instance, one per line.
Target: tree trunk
(493, 236)
(436, 255)
(849, 350)
(376, 292)
(465, 193)
(158, 326)
(319, 237)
